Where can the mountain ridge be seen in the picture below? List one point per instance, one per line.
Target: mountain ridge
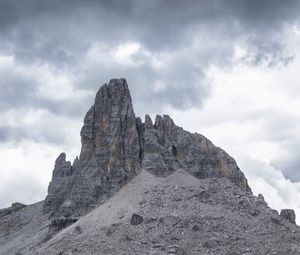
(116, 145)
(145, 188)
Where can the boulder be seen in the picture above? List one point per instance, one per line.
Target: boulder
(289, 215)
(136, 219)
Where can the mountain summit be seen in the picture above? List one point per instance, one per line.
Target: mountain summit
(145, 188)
(110, 155)
(116, 146)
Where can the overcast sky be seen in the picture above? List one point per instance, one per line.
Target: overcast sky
(228, 69)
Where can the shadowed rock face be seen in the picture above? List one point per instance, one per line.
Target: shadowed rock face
(167, 147)
(109, 155)
(59, 185)
(109, 132)
(116, 146)
(289, 215)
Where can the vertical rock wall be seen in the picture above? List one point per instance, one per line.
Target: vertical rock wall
(109, 154)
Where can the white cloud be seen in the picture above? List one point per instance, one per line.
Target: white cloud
(25, 172)
(278, 191)
(26, 165)
(125, 52)
(253, 113)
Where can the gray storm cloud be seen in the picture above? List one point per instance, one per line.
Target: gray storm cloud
(80, 38)
(60, 33)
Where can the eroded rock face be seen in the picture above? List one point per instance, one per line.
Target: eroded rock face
(109, 155)
(136, 219)
(59, 184)
(116, 146)
(289, 215)
(109, 132)
(14, 208)
(167, 147)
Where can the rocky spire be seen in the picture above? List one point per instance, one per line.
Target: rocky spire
(59, 184)
(109, 154)
(109, 132)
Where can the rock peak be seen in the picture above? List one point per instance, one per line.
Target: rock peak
(116, 146)
(61, 159)
(115, 90)
(110, 113)
(109, 155)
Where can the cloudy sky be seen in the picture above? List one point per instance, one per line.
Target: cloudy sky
(226, 69)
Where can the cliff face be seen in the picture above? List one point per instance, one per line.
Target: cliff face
(116, 146)
(109, 132)
(109, 155)
(167, 147)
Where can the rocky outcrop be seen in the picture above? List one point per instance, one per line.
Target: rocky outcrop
(13, 221)
(56, 225)
(116, 146)
(109, 155)
(289, 215)
(14, 208)
(109, 132)
(59, 185)
(167, 147)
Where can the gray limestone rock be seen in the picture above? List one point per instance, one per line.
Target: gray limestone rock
(289, 215)
(167, 147)
(109, 155)
(136, 219)
(116, 146)
(59, 184)
(14, 208)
